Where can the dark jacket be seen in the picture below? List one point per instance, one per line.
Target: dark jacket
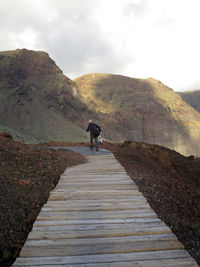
(94, 129)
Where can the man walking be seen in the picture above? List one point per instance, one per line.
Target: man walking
(94, 133)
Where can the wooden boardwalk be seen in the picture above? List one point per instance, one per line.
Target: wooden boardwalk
(97, 217)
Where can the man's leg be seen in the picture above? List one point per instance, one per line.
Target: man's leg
(91, 142)
(97, 144)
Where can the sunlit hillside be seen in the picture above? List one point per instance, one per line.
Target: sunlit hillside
(40, 104)
(37, 100)
(141, 110)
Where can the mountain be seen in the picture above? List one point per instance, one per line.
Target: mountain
(38, 103)
(192, 98)
(141, 110)
(36, 99)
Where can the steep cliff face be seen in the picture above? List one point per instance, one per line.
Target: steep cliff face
(141, 110)
(36, 98)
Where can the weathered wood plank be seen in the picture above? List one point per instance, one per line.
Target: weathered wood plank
(93, 183)
(67, 250)
(142, 213)
(128, 200)
(99, 233)
(183, 262)
(97, 203)
(101, 240)
(101, 258)
(92, 208)
(94, 194)
(86, 178)
(77, 227)
(99, 221)
(67, 187)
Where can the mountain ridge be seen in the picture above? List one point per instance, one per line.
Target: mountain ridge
(38, 100)
(34, 95)
(140, 109)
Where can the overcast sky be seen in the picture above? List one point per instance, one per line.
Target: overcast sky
(136, 38)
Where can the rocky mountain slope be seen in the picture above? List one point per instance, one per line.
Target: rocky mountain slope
(192, 98)
(38, 104)
(36, 100)
(141, 110)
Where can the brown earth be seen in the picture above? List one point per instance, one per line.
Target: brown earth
(169, 181)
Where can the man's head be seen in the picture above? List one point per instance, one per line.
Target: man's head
(90, 121)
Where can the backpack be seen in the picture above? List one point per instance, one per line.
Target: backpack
(95, 130)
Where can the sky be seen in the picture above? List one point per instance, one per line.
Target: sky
(135, 38)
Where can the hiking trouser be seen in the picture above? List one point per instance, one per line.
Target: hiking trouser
(96, 142)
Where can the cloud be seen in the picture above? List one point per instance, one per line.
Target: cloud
(136, 8)
(137, 38)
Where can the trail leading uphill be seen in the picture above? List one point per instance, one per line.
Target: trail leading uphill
(97, 217)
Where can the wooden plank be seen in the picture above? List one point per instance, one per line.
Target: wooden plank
(99, 174)
(92, 182)
(93, 214)
(50, 215)
(67, 187)
(103, 240)
(96, 226)
(95, 194)
(95, 166)
(101, 192)
(102, 258)
(129, 200)
(66, 250)
(91, 178)
(70, 217)
(183, 262)
(93, 208)
(59, 197)
(96, 175)
(100, 221)
(134, 204)
(97, 200)
(137, 200)
(98, 233)
(98, 171)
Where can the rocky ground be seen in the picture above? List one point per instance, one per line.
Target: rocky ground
(169, 181)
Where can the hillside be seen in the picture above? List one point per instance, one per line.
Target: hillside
(141, 110)
(38, 103)
(36, 99)
(192, 98)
